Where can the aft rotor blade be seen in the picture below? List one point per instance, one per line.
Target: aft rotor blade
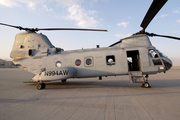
(37, 29)
(153, 10)
(172, 37)
(18, 27)
(115, 43)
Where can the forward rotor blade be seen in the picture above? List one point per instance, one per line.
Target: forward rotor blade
(37, 29)
(152, 34)
(153, 10)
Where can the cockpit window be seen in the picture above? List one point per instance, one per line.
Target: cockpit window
(153, 54)
(161, 54)
(155, 57)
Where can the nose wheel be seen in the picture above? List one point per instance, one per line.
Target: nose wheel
(146, 83)
(41, 85)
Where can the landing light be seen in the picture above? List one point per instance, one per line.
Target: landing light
(161, 68)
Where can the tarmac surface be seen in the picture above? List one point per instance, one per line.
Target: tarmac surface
(112, 98)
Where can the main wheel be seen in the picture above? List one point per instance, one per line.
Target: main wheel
(43, 85)
(39, 86)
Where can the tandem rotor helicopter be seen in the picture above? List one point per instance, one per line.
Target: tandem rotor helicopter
(134, 56)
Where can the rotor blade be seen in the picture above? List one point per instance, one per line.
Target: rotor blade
(37, 29)
(152, 34)
(153, 10)
(18, 27)
(115, 43)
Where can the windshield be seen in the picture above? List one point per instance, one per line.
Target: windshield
(154, 53)
(162, 54)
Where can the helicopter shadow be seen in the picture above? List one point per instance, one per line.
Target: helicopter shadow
(73, 84)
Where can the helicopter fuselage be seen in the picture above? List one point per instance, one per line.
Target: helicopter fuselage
(134, 56)
(134, 53)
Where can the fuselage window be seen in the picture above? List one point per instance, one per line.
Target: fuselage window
(110, 60)
(21, 46)
(30, 52)
(58, 64)
(78, 62)
(88, 61)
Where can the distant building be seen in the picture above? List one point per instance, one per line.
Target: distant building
(6, 64)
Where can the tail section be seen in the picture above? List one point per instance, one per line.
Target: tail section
(28, 44)
(28, 49)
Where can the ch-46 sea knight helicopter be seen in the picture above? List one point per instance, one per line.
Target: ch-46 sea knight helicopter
(134, 56)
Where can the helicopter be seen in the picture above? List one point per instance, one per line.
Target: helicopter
(134, 55)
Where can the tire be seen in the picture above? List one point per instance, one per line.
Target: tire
(146, 85)
(39, 86)
(43, 85)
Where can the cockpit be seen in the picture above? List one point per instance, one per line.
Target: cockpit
(158, 58)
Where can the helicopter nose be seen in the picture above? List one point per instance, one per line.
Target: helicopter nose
(167, 63)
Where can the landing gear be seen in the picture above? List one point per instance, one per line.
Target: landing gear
(146, 84)
(63, 80)
(41, 85)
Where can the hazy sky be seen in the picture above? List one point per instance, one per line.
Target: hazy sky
(121, 18)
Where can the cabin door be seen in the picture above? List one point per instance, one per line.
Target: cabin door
(134, 61)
